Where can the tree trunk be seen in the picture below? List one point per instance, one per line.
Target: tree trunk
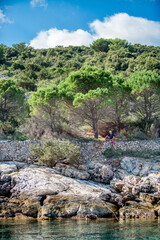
(119, 124)
(118, 118)
(95, 128)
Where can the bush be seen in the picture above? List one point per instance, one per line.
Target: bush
(18, 136)
(137, 134)
(7, 127)
(110, 152)
(52, 151)
(27, 84)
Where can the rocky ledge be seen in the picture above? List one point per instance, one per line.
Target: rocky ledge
(44, 193)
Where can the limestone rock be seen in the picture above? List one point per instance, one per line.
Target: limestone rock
(72, 172)
(69, 206)
(40, 192)
(112, 197)
(137, 210)
(95, 171)
(138, 166)
(7, 168)
(147, 197)
(117, 184)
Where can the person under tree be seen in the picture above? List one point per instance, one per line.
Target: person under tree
(110, 137)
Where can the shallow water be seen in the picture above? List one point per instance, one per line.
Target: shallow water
(80, 229)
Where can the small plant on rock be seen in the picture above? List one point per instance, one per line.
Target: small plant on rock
(52, 151)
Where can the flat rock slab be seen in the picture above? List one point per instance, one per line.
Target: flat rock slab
(40, 192)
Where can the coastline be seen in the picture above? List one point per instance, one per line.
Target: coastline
(128, 188)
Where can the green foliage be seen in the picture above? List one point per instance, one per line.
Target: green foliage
(82, 78)
(136, 134)
(87, 90)
(18, 136)
(115, 55)
(47, 110)
(2, 51)
(143, 80)
(112, 153)
(116, 44)
(100, 93)
(44, 97)
(7, 127)
(20, 47)
(88, 78)
(17, 65)
(101, 45)
(12, 101)
(145, 87)
(52, 151)
(27, 84)
(104, 45)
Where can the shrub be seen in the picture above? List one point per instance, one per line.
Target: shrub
(110, 152)
(7, 127)
(137, 134)
(18, 136)
(28, 84)
(52, 151)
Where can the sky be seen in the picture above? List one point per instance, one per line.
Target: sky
(50, 23)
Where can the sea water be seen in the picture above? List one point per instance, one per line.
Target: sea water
(80, 229)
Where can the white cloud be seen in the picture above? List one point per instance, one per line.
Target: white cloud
(55, 37)
(41, 3)
(133, 29)
(121, 25)
(4, 18)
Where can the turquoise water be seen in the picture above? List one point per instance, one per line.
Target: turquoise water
(80, 229)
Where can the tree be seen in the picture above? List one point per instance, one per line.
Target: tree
(88, 90)
(117, 43)
(12, 101)
(45, 109)
(10, 53)
(20, 47)
(101, 45)
(145, 86)
(119, 99)
(92, 107)
(118, 60)
(2, 50)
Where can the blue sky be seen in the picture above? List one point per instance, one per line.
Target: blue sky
(42, 22)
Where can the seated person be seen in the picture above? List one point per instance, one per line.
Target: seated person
(110, 136)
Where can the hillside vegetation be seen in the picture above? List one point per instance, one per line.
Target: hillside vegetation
(110, 85)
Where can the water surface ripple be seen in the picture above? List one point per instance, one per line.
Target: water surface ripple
(80, 229)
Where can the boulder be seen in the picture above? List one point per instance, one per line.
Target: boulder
(146, 197)
(100, 172)
(72, 172)
(95, 171)
(70, 206)
(135, 209)
(138, 166)
(7, 168)
(117, 184)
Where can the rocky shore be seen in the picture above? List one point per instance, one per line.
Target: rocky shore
(124, 188)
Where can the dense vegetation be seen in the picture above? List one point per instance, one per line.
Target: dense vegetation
(111, 84)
